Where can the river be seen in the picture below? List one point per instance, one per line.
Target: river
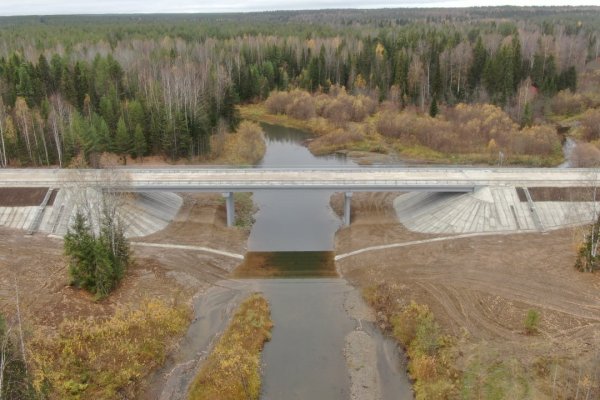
(305, 358)
(314, 311)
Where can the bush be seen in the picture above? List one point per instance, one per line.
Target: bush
(531, 322)
(588, 256)
(585, 155)
(16, 384)
(277, 102)
(97, 262)
(590, 124)
(105, 359)
(429, 351)
(246, 146)
(232, 370)
(567, 103)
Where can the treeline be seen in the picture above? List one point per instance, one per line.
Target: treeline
(52, 111)
(165, 84)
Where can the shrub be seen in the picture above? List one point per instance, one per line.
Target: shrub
(588, 257)
(590, 124)
(531, 322)
(277, 102)
(301, 106)
(246, 146)
(567, 103)
(105, 359)
(585, 155)
(16, 384)
(232, 370)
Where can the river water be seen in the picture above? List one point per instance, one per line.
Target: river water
(293, 220)
(305, 357)
(292, 242)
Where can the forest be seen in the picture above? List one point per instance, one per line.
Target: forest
(74, 87)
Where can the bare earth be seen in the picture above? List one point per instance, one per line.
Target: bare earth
(37, 264)
(480, 289)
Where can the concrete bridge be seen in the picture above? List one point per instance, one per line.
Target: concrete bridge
(347, 180)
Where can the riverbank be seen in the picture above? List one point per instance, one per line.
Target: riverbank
(480, 289)
(175, 276)
(363, 141)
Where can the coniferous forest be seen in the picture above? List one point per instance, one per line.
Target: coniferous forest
(73, 87)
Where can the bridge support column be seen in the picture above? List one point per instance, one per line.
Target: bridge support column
(230, 206)
(347, 201)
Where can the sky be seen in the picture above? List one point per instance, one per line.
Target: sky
(48, 7)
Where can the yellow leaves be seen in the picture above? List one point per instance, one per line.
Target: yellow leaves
(247, 146)
(379, 51)
(360, 82)
(99, 358)
(232, 371)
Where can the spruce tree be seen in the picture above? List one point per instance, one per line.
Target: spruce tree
(433, 108)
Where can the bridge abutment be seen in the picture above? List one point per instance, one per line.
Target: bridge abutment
(347, 204)
(230, 207)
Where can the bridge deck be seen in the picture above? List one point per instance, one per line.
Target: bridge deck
(351, 179)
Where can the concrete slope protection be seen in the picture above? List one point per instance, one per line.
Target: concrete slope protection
(486, 210)
(142, 213)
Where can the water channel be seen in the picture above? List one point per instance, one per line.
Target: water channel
(291, 243)
(305, 357)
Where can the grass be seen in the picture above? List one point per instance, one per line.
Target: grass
(531, 322)
(105, 359)
(232, 370)
(495, 380)
(444, 367)
(244, 210)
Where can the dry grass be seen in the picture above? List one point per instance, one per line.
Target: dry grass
(232, 371)
(430, 352)
(105, 359)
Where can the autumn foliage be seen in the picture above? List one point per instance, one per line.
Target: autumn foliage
(105, 360)
(232, 371)
(467, 129)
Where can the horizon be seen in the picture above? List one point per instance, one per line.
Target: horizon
(14, 8)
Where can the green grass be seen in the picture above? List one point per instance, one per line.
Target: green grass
(495, 380)
(232, 370)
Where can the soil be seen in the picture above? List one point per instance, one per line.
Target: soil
(24, 197)
(480, 288)
(40, 269)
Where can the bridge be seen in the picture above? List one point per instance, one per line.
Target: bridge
(347, 180)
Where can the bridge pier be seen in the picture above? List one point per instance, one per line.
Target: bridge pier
(347, 203)
(230, 207)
